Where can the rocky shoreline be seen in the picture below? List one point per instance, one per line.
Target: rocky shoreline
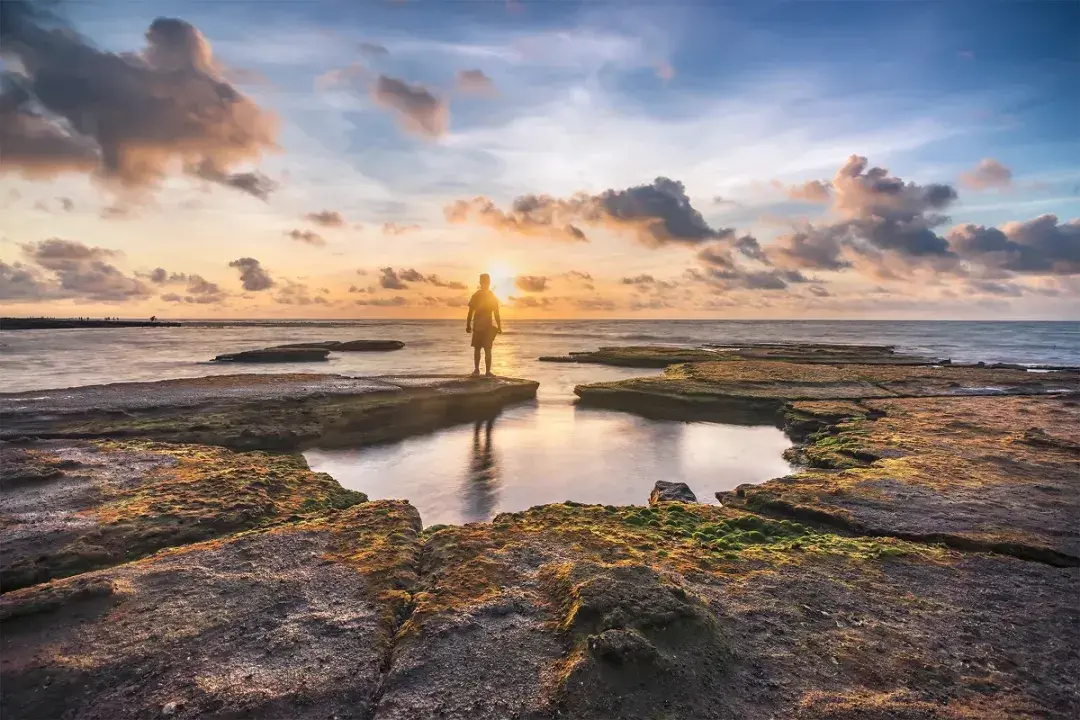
(165, 553)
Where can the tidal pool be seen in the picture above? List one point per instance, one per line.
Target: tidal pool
(548, 452)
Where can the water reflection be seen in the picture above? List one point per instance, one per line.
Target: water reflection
(554, 451)
(481, 486)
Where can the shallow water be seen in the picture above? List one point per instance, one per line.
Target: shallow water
(545, 451)
(551, 451)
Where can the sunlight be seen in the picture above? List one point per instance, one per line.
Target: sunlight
(502, 278)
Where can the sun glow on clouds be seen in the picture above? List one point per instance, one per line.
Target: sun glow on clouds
(502, 278)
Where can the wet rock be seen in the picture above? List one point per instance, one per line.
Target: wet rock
(348, 345)
(276, 355)
(664, 491)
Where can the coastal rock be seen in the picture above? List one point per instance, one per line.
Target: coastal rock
(276, 355)
(664, 491)
(121, 500)
(348, 345)
(262, 411)
(659, 356)
(294, 621)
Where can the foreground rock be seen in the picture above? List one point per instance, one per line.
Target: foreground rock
(671, 492)
(563, 611)
(71, 506)
(694, 611)
(349, 345)
(998, 474)
(655, 356)
(250, 412)
(296, 621)
(756, 391)
(276, 355)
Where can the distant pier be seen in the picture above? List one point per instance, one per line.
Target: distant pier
(10, 323)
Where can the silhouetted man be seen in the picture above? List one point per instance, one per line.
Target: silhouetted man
(483, 322)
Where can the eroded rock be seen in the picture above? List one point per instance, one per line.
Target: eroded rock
(664, 491)
(276, 355)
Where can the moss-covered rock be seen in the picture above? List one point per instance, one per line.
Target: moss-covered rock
(658, 356)
(295, 621)
(115, 501)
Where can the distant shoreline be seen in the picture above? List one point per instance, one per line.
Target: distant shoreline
(72, 323)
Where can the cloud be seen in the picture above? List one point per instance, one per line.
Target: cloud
(339, 77)
(989, 174)
(812, 191)
(199, 292)
(82, 271)
(294, 293)
(19, 282)
(531, 283)
(882, 220)
(37, 146)
(475, 82)
(530, 302)
(161, 276)
(373, 50)
(418, 110)
(396, 301)
(645, 282)
(395, 229)
(145, 114)
(721, 269)
(326, 218)
(595, 304)
(307, 236)
(252, 274)
(658, 213)
(584, 279)
(1039, 246)
(392, 279)
(253, 183)
(749, 247)
(531, 216)
(665, 71)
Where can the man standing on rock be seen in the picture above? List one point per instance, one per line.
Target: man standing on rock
(484, 323)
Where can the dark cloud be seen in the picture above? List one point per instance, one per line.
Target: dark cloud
(418, 110)
(883, 221)
(253, 183)
(1003, 289)
(818, 290)
(199, 291)
(144, 114)
(35, 145)
(595, 304)
(988, 174)
(161, 276)
(326, 218)
(373, 50)
(658, 213)
(307, 236)
(66, 204)
(721, 269)
(531, 283)
(475, 82)
(82, 271)
(395, 229)
(530, 302)
(646, 282)
(1040, 246)
(748, 246)
(392, 279)
(19, 282)
(252, 274)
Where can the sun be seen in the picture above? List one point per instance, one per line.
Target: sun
(502, 278)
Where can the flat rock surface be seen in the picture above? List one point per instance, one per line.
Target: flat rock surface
(71, 506)
(694, 611)
(811, 353)
(767, 380)
(261, 411)
(293, 622)
(276, 355)
(1000, 473)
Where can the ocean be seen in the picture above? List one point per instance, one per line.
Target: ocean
(549, 450)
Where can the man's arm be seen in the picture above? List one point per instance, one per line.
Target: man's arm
(468, 320)
(498, 319)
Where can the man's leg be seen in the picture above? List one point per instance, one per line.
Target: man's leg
(487, 359)
(476, 361)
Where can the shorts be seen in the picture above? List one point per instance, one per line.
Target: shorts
(483, 337)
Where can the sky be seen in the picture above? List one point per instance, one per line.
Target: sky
(348, 159)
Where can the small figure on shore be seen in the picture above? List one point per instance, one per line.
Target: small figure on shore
(153, 318)
(484, 323)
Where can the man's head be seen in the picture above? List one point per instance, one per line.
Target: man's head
(485, 281)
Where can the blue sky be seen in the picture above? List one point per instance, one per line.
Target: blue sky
(738, 101)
